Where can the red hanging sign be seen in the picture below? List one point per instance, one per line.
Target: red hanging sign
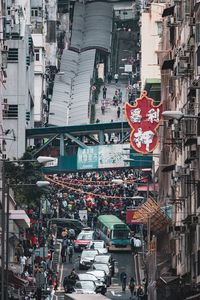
(144, 118)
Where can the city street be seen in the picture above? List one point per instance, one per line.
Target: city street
(123, 260)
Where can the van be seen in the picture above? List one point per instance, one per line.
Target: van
(63, 223)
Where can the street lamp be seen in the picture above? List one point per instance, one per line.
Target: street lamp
(177, 115)
(40, 159)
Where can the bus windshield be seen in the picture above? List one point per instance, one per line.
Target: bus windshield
(120, 234)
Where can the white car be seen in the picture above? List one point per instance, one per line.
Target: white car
(100, 246)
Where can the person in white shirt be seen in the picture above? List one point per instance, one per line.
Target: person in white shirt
(23, 262)
(116, 77)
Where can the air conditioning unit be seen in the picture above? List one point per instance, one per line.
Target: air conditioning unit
(195, 84)
(172, 21)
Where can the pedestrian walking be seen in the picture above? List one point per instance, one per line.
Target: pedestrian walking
(116, 77)
(63, 254)
(120, 96)
(104, 92)
(103, 109)
(140, 293)
(118, 112)
(23, 262)
(70, 252)
(131, 287)
(123, 278)
(109, 77)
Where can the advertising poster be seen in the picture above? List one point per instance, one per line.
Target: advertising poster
(132, 218)
(104, 156)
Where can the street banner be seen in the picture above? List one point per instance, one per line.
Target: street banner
(104, 156)
(144, 119)
(132, 218)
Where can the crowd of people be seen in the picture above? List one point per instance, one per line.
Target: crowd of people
(95, 192)
(92, 191)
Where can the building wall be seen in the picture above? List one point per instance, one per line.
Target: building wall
(150, 40)
(19, 90)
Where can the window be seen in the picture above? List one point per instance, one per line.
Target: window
(13, 54)
(36, 12)
(10, 112)
(8, 11)
(37, 54)
(198, 32)
(198, 263)
(159, 25)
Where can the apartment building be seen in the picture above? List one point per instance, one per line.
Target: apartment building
(177, 273)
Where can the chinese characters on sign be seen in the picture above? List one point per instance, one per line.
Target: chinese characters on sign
(144, 119)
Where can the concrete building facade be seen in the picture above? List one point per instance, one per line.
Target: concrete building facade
(177, 270)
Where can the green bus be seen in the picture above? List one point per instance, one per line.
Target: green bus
(114, 232)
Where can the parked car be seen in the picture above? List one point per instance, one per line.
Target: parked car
(86, 287)
(103, 267)
(87, 276)
(106, 259)
(100, 246)
(87, 258)
(83, 239)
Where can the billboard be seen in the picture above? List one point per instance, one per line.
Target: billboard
(132, 218)
(103, 156)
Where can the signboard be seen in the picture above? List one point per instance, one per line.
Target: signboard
(93, 87)
(83, 213)
(128, 68)
(104, 156)
(101, 71)
(144, 118)
(132, 218)
(53, 163)
(43, 252)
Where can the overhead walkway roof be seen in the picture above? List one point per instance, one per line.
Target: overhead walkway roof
(92, 26)
(78, 130)
(71, 94)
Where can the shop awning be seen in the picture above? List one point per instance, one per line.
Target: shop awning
(20, 217)
(168, 11)
(194, 297)
(152, 211)
(168, 64)
(168, 279)
(15, 280)
(168, 168)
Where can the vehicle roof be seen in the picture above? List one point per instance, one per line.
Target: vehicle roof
(86, 231)
(106, 254)
(110, 220)
(91, 271)
(86, 297)
(82, 274)
(89, 250)
(97, 241)
(64, 220)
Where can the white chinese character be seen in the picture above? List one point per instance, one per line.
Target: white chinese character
(145, 137)
(135, 115)
(153, 115)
